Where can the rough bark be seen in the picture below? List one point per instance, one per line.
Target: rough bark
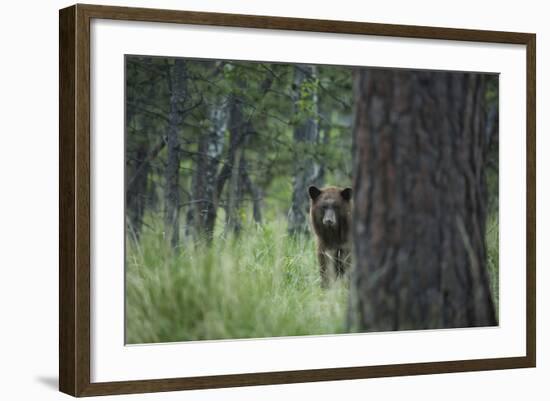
(306, 170)
(419, 201)
(175, 119)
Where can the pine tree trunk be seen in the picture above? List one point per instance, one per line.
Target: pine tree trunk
(175, 117)
(203, 209)
(214, 152)
(306, 132)
(136, 193)
(235, 193)
(138, 162)
(419, 201)
(255, 193)
(230, 170)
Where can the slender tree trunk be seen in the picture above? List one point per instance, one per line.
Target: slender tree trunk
(136, 193)
(231, 168)
(235, 168)
(172, 191)
(256, 194)
(325, 124)
(240, 184)
(214, 151)
(306, 133)
(203, 211)
(419, 201)
(235, 194)
(137, 160)
(321, 172)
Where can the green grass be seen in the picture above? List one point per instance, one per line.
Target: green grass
(264, 284)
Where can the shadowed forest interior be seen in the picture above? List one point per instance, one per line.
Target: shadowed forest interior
(220, 154)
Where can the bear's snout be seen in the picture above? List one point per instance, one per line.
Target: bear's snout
(329, 218)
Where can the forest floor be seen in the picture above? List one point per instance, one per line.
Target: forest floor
(262, 284)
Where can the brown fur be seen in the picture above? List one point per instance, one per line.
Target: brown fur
(330, 215)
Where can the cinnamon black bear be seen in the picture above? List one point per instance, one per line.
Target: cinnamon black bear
(330, 214)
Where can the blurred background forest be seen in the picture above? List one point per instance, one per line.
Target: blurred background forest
(219, 155)
(232, 142)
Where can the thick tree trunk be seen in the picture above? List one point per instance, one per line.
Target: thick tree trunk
(419, 201)
(306, 132)
(175, 118)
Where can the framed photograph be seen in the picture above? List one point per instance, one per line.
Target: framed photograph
(250, 200)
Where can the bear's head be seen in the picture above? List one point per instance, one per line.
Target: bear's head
(330, 206)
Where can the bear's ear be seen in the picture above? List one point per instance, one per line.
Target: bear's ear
(346, 194)
(314, 192)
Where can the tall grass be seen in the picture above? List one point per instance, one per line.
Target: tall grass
(263, 284)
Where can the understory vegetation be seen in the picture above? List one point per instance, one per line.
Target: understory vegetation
(265, 286)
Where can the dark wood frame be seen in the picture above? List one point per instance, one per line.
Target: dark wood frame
(74, 199)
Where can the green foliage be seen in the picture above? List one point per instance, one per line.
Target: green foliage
(264, 284)
(266, 97)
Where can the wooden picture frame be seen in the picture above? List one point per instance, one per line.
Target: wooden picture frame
(74, 200)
